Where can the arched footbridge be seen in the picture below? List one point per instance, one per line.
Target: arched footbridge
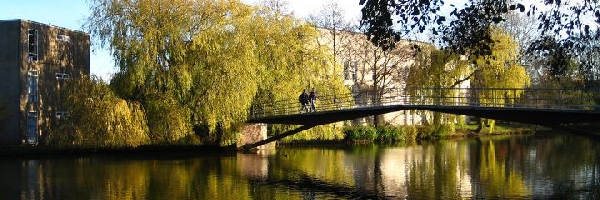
(532, 106)
(540, 106)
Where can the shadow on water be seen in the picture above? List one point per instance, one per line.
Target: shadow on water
(312, 186)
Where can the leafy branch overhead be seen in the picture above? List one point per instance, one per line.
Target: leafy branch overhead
(465, 28)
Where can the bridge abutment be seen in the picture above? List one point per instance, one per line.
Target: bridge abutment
(253, 133)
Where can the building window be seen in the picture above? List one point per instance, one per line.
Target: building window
(63, 38)
(62, 76)
(32, 86)
(32, 36)
(350, 70)
(353, 70)
(62, 115)
(32, 127)
(347, 71)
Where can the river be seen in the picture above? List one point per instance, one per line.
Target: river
(533, 166)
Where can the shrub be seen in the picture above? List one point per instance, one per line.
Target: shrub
(410, 132)
(444, 130)
(462, 122)
(492, 124)
(423, 132)
(360, 133)
(390, 134)
(329, 132)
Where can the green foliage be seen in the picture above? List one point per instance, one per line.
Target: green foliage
(492, 125)
(330, 132)
(462, 122)
(390, 134)
(396, 133)
(435, 68)
(380, 134)
(355, 133)
(434, 132)
(99, 119)
(411, 132)
(443, 69)
(167, 121)
(204, 63)
(500, 70)
(444, 130)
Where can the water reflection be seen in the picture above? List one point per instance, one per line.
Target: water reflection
(543, 166)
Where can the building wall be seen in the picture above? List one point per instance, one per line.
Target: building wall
(62, 55)
(10, 82)
(358, 60)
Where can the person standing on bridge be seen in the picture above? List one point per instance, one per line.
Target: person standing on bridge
(304, 101)
(313, 100)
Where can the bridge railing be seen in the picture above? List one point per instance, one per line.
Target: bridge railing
(534, 98)
(293, 106)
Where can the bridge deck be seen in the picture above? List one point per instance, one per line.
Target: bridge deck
(534, 106)
(524, 115)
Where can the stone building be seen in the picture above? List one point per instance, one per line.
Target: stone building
(35, 61)
(369, 71)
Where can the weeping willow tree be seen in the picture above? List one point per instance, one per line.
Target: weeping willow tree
(294, 60)
(445, 70)
(435, 74)
(501, 69)
(98, 118)
(198, 66)
(501, 72)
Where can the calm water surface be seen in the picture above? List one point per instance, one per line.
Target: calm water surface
(542, 166)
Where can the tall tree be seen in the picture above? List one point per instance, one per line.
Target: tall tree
(98, 118)
(171, 67)
(296, 56)
(376, 73)
(523, 29)
(387, 69)
(331, 17)
(277, 6)
(203, 63)
(464, 29)
(445, 69)
(500, 70)
(440, 69)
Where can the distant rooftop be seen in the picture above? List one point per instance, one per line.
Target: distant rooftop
(39, 23)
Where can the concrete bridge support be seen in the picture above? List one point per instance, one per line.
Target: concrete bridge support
(253, 147)
(253, 133)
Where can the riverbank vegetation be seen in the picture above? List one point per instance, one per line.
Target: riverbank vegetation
(393, 134)
(390, 134)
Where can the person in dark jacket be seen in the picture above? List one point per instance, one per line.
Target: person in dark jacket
(313, 100)
(304, 101)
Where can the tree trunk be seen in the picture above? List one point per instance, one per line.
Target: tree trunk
(378, 120)
(480, 125)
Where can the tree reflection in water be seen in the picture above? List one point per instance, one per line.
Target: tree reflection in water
(542, 166)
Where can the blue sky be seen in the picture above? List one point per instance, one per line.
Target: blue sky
(63, 13)
(71, 14)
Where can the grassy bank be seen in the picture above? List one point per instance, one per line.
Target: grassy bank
(386, 134)
(394, 134)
